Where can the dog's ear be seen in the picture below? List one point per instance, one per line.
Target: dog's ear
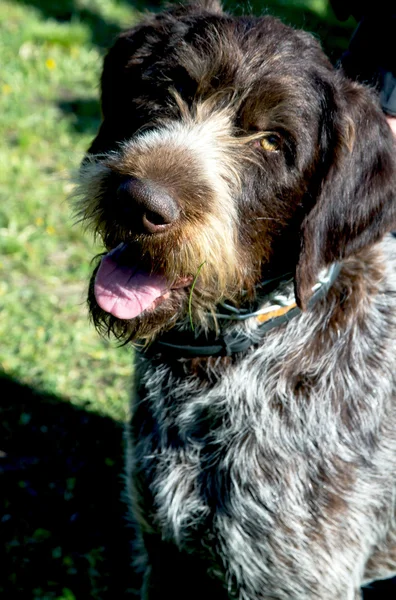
(353, 195)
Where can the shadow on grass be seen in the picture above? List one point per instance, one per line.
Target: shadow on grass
(103, 30)
(63, 528)
(83, 114)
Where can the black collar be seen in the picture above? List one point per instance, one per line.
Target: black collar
(276, 309)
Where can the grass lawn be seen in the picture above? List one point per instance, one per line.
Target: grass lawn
(63, 389)
(48, 114)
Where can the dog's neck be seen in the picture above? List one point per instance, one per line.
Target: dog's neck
(276, 307)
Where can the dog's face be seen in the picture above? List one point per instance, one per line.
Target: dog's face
(230, 150)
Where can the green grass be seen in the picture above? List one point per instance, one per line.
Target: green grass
(48, 115)
(51, 55)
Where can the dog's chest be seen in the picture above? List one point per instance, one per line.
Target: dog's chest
(255, 447)
(191, 437)
(245, 449)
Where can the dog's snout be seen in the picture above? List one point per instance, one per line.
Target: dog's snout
(152, 207)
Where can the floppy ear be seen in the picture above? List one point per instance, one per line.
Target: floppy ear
(354, 203)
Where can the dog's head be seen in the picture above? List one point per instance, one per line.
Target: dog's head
(230, 149)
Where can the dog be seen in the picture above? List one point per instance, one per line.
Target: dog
(244, 190)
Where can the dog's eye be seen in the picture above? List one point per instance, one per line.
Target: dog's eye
(271, 142)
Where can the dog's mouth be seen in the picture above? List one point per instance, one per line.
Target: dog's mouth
(127, 290)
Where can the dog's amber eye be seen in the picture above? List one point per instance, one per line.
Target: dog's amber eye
(271, 142)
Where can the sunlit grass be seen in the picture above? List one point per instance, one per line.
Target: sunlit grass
(46, 340)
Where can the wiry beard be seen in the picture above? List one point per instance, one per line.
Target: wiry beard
(192, 308)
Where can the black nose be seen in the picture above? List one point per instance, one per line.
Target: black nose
(147, 204)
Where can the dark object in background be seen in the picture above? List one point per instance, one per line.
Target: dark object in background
(371, 56)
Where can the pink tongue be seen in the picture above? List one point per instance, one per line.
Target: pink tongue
(124, 291)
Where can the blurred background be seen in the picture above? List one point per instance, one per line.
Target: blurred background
(63, 390)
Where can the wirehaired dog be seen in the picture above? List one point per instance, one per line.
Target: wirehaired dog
(244, 191)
